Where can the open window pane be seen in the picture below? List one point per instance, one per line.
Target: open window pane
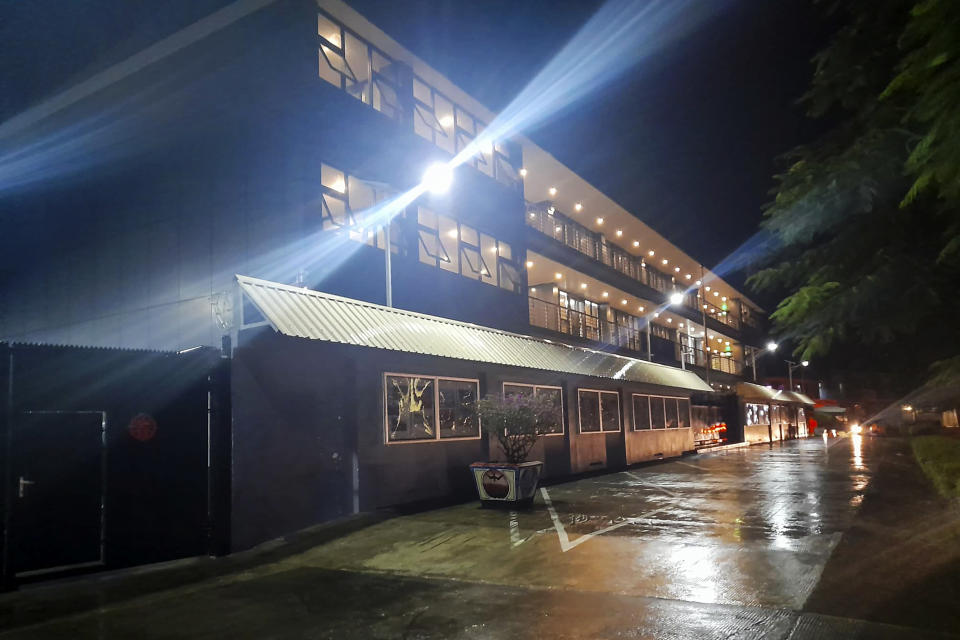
(410, 408)
(656, 413)
(610, 411)
(589, 411)
(458, 408)
(641, 413)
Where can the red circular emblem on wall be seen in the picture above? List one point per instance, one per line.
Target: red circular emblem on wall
(142, 427)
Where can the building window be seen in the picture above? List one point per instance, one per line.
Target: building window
(657, 415)
(757, 414)
(683, 409)
(361, 70)
(458, 408)
(660, 412)
(458, 248)
(641, 412)
(344, 200)
(553, 395)
(429, 408)
(599, 410)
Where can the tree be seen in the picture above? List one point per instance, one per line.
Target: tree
(868, 214)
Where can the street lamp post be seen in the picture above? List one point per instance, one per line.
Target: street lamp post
(794, 365)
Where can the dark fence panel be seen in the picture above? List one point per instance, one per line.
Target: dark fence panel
(164, 450)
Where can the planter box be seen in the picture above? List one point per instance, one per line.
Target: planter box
(505, 483)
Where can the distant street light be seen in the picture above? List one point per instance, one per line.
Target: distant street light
(794, 365)
(772, 346)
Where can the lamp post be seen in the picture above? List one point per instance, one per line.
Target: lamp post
(794, 365)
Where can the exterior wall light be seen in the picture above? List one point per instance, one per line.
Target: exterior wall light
(676, 298)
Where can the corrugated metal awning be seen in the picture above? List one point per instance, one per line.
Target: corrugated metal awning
(314, 315)
(750, 391)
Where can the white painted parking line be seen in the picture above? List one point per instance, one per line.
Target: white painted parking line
(515, 530)
(650, 484)
(566, 544)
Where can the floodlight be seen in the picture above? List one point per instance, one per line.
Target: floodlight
(438, 178)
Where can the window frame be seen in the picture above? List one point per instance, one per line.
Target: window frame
(563, 422)
(648, 396)
(436, 409)
(599, 393)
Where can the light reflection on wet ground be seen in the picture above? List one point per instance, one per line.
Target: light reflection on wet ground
(672, 550)
(752, 526)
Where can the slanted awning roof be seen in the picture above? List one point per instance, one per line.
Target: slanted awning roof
(314, 315)
(793, 396)
(756, 392)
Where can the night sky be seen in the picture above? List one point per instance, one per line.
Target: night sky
(688, 141)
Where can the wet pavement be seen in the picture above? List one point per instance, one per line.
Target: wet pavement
(722, 545)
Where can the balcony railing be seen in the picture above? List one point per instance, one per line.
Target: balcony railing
(548, 315)
(594, 246)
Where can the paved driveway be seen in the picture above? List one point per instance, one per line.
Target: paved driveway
(724, 545)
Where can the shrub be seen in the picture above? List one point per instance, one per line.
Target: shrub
(516, 421)
(939, 457)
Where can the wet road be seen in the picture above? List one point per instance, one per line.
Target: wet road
(723, 545)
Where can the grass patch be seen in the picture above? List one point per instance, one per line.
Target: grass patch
(939, 457)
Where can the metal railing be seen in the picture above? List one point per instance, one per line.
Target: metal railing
(594, 246)
(549, 315)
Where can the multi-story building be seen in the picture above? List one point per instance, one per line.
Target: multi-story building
(280, 141)
(251, 143)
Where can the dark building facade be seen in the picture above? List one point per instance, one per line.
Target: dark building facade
(281, 140)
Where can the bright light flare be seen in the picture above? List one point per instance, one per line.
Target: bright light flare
(772, 346)
(437, 178)
(676, 298)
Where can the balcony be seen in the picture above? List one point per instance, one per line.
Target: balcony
(663, 344)
(545, 219)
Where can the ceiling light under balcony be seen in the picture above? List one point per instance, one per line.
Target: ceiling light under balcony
(676, 298)
(606, 295)
(640, 308)
(599, 220)
(558, 276)
(664, 261)
(523, 173)
(619, 232)
(636, 243)
(529, 263)
(688, 276)
(651, 253)
(553, 191)
(577, 207)
(583, 285)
